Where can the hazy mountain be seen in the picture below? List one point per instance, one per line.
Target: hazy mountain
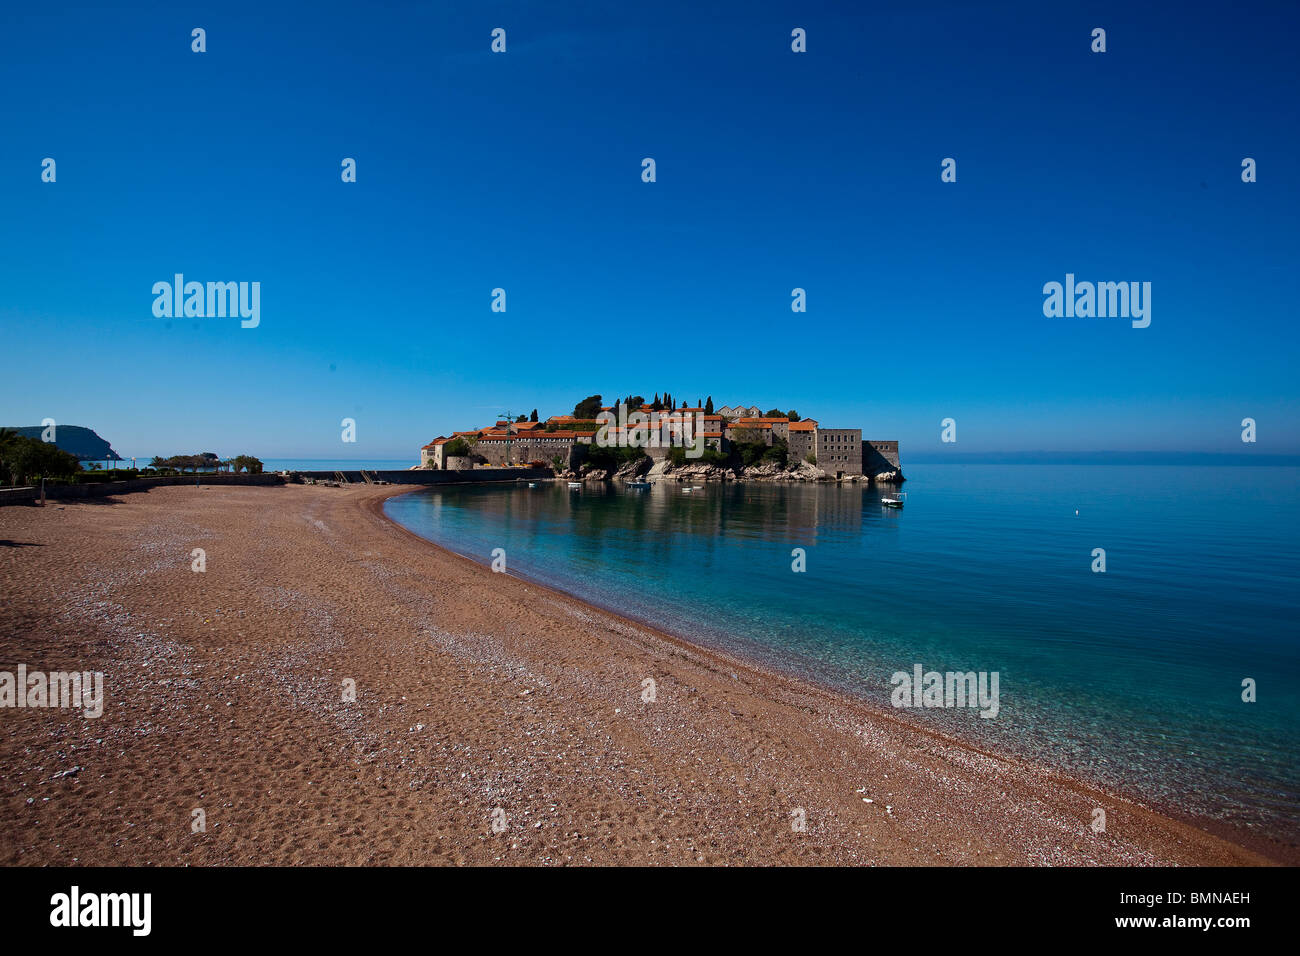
(77, 440)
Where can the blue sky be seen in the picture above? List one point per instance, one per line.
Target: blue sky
(775, 170)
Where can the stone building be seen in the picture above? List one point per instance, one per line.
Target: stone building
(431, 455)
(533, 445)
(839, 451)
(802, 440)
(880, 456)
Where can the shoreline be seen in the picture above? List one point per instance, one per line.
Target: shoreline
(1274, 851)
(476, 690)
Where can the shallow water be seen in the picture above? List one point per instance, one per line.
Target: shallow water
(1132, 677)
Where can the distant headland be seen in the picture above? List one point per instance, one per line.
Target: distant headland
(76, 440)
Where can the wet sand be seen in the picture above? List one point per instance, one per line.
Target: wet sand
(479, 698)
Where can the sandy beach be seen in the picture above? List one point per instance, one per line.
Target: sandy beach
(475, 693)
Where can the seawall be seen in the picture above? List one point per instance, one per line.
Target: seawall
(428, 477)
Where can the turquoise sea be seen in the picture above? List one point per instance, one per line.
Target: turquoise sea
(1131, 677)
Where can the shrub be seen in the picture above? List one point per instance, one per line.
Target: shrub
(710, 456)
(612, 458)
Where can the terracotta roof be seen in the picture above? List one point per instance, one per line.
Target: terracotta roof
(803, 426)
(495, 436)
(568, 434)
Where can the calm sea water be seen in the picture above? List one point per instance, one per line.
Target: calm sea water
(1132, 677)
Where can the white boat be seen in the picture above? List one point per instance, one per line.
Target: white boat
(575, 484)
(894, 502)
(532, 484)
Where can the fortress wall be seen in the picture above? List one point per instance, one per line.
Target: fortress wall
(878, 456)
(432, 477)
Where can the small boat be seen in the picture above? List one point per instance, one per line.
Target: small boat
(575, 484)
(532, 484)
(639, 485)
(894, 502)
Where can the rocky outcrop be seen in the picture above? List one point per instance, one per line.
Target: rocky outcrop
(699, 471)
(807, 472)
(654, 469)
(633, 470)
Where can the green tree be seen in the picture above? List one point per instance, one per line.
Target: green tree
(456, 448)
(24, 459)
(588, 408)
(533, 416)
(708, 405)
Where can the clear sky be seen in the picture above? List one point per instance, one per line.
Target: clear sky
(775, 170)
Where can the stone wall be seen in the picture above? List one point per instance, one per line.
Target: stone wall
(878, 456)
(802, 444)
(426, 476)
(19, 496)
(103, 488)
(524, 450)
(839, 451)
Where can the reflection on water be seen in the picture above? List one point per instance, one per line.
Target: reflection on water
(1132, 676)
